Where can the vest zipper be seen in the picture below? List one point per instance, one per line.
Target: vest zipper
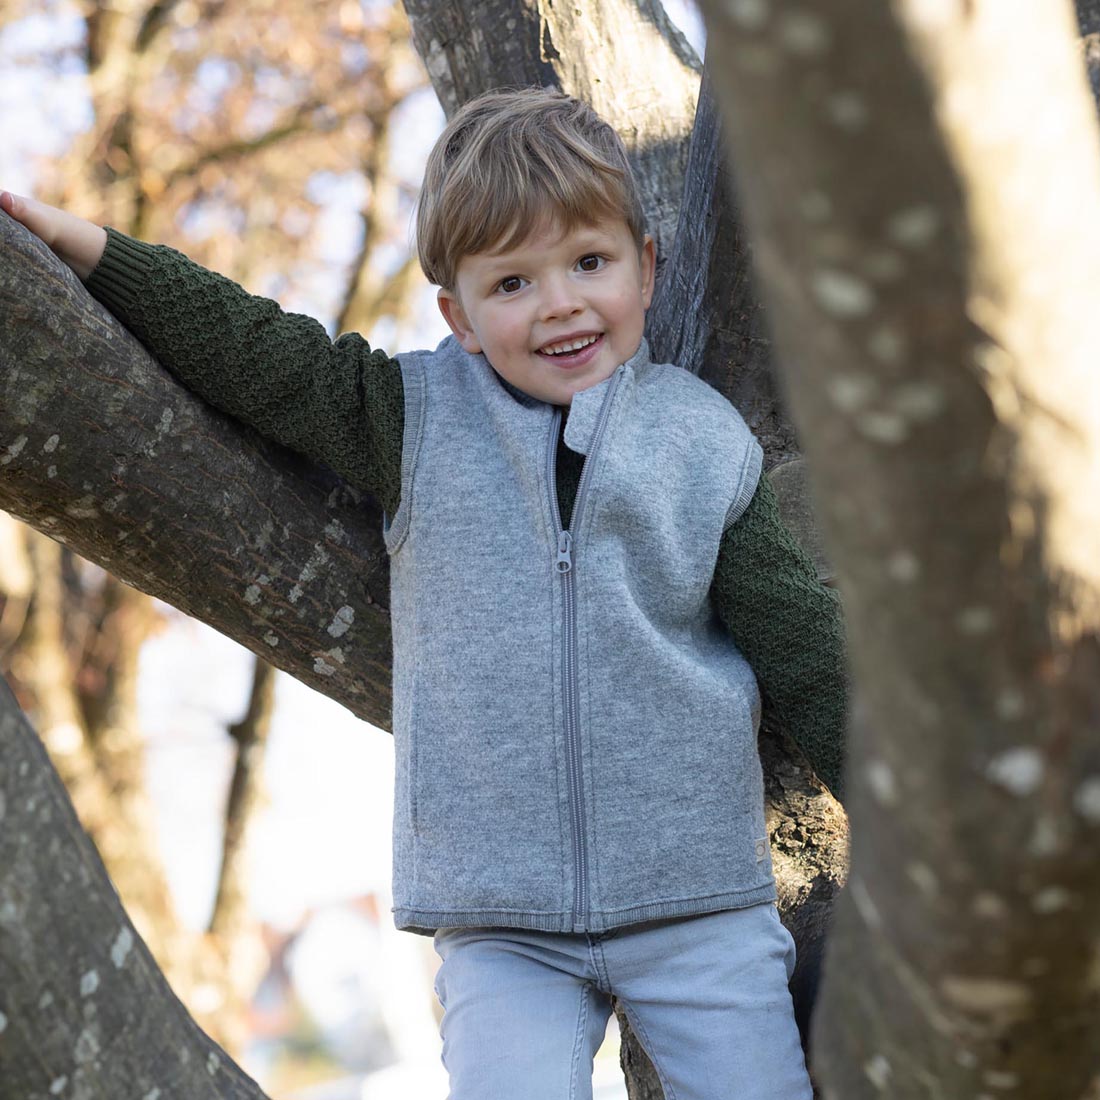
(563, 564)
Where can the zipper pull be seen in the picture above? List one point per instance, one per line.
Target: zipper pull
(564, 560)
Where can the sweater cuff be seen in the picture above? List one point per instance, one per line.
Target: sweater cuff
(121, 271)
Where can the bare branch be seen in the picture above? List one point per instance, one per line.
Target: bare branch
(245, 793)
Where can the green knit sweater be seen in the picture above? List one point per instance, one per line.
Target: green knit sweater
(342, 404)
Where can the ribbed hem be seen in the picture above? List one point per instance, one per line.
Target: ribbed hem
(687, 907)
(396, 526)
(426, 922)
(118, 277)
(750, 478)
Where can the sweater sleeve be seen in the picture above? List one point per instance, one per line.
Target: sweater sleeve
(789, 627)
(340, 403)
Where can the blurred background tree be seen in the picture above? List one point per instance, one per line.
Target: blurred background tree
(226, 129)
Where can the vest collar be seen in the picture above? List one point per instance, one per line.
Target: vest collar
(585, 408)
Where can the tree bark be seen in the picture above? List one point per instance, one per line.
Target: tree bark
(1088, 23)
(923, 199)
(84, 1010)
(624, 57)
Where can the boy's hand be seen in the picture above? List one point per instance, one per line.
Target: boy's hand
(76, 242)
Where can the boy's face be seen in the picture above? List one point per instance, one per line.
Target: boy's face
(558, 313)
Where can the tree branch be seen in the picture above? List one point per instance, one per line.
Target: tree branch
(299, 121)
(187, 505)
(250, 735)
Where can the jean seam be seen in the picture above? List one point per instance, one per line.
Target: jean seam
(647, 1044)
(578, 1040)
(599, 964)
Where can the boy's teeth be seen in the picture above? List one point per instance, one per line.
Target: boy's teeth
(571, 345)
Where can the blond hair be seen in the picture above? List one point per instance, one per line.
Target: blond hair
(509, 160)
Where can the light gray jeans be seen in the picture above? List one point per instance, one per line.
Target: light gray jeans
(707, 997)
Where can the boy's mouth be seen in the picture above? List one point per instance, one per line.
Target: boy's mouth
(574, 351)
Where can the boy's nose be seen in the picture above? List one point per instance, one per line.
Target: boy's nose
(560, 299)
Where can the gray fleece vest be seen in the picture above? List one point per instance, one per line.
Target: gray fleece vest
(575, 732)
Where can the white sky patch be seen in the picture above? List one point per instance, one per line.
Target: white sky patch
(43, 108)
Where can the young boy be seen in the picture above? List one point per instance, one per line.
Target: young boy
(587, 570)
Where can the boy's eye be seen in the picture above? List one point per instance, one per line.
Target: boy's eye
(510, 285)
(590, 263)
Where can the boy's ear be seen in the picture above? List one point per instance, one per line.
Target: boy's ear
(649, 267)
(456, 318)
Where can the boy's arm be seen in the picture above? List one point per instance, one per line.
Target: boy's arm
(77, 243)
(790, 629)
(339, 403)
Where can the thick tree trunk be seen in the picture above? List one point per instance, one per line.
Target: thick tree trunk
(924, 198)
(84, 1011)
